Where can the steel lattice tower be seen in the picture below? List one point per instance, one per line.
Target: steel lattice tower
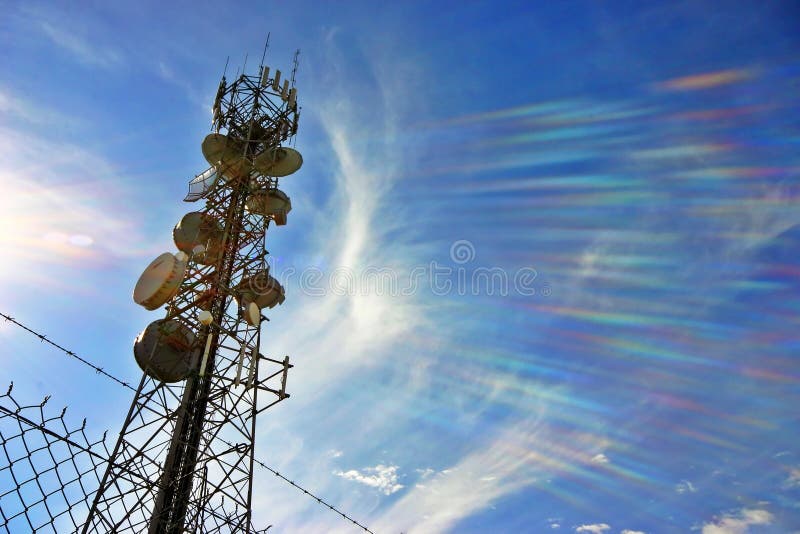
(184, 458)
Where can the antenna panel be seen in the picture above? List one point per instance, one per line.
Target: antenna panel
(276, 82)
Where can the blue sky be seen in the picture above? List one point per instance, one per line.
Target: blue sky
(631, 171)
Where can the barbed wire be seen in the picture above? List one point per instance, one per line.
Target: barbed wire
(43, 338)
(322, 502)
(100, 370)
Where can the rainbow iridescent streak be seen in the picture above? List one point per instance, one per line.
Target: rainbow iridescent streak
(667, 225)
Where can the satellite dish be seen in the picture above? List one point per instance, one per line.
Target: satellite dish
(252, 314)
(164, 350)
(260, 289)
(278, 162)
(222, 151)
(195, 230)
(270, 203)
(160, 280)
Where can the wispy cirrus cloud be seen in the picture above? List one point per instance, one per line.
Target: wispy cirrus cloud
(63, 205)
(345, 223)
(685, 486)
(79, 47)
(425, 473)
(200, 98)
(522, 454)
(33, 113)
(707, 80)
(793, 480)
(60, 211)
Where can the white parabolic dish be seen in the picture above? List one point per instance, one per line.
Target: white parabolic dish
(278, 162)
(160, 280)
(253, 314)
(164, 350)
(221, 150)
(217, 148)
(198, 228)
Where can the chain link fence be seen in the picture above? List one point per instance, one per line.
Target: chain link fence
(49, 468)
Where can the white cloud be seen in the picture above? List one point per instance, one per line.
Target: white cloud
(335, 337)
(793, 480)
(358, 328)
(738, 523)
(628, 531)
(425, 473)
(596, 528)
(600, 459)
(685, 486)
(382, 477)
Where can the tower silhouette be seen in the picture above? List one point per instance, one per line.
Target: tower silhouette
(184, 458)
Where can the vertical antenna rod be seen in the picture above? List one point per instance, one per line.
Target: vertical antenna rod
(264, 55)
(295, 63)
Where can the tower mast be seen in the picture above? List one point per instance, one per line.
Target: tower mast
(183, 461)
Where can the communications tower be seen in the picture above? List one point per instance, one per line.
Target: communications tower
(184, 458)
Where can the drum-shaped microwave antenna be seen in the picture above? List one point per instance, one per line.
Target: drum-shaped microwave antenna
(164, 350)
(261, 289)
(270, 203)
(219, 148)
(160, 280)
(278, 162)
(225, 153)
(199, 234)
(252, 314)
